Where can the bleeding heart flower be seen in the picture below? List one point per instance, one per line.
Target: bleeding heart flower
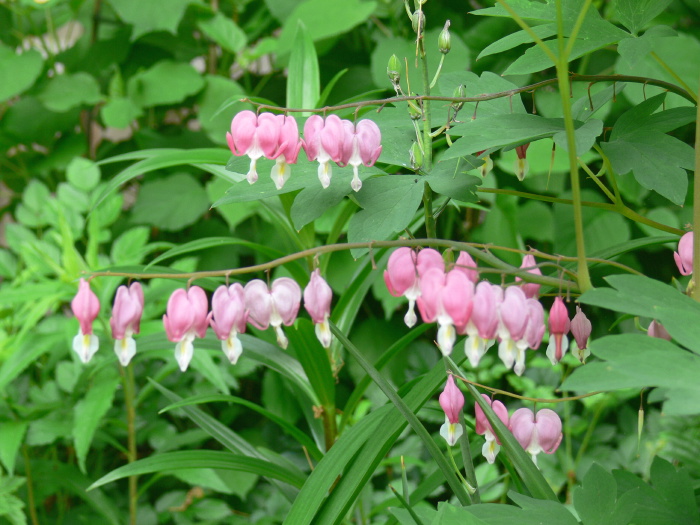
(483, 427)
(361, 145)
(530, 289)
(256, 136)
(85, 306)
(323, 141)
(558, 328)
(536, 433)
(684, 255)
(317, 301)
(186, 318)
(126, 320)
(581, 330)
(483, 324)
(229, 317)
(451, 401)
(275, 306)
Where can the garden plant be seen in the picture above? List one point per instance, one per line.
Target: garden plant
(349, 262)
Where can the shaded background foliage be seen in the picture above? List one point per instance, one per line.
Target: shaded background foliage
(84, 81)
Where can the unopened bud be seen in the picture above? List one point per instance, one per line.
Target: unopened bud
(418, 22)
(416, 156)
(461, 93)
(444, 44)
(393, 69)
(414, 111)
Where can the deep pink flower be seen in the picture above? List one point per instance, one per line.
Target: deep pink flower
(186, 317)
(581, 330)
(483, 324)
(256, 136)
(684, 255)
(85, 306)
(447, 299)
(275, 306)
(452, 402)
(536, 433)
(229, 318)
(323, 141)
(317, 301)
(530, 289)
(558, 328)
(483, 427)
(126, 320)
(361, 145)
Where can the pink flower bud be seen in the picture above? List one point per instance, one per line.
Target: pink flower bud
(228, 319)
(466, 264)
(275, 306)
(558, 328)
(85, 306)
(491, 447)
(581, 330)
(684, 255)
(530, 289)
(656, 329)
(317, 301)
(451, 401)
(536, 433)
(126, 320)
(323, 141)
(186, 318)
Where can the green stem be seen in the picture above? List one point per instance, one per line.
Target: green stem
(449, 473)
(128, 376)
(695, 293)
(673, 74)
(439, 69)
(466, 484)
(30, 486)
(610, 172)
(596, 178)
(577, 27)
(430, 228)
(584, 279)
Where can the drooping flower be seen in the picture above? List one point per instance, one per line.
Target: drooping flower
(656, 329)
(487, 166)
(466, 264)
(85, 306)
(361, 145)
(447, 299)
(684, 255)
(530, 289)
(323, 141)
(558, 328)
(513, 314)
(275, 306)
(521, 165)
(536, 433)
(581, 330)
(229, 318)
(483, 324)
(186, 318)
(402, 275)
(451, 401)
(533, 334)
(483, 427)
(317, 301)
(126, 320)
(254, 135)
(287, 149)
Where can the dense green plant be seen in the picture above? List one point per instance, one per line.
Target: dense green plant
(114, 167)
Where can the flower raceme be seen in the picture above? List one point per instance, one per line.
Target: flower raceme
(126, 320)
(85, 306)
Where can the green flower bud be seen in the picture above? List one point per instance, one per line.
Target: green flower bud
(416, 156)
(444, 43)
(461, 93)
(414, 110)
(393, 69)
(418, 22)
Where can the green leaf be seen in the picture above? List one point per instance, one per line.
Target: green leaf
(130, 246)
(83, 173)
(595, 499)
(518, 38)
(639, 144)
(166, 82)
(216, 123)
(64, 92)
(313, 201)
(12, 435)
(215, 242)
(172, 461)
(156, 160)
(315, 361)
(510, 130)
(389, 204)
(636, 14)
(224, 32)
(18, 71)
(303, 81)
(171, 203)
(119, 112)
(90, 410)
(450, 178)
(293, 431)
(474, 85)
(29, 352)
(323, 20)
(148, 17)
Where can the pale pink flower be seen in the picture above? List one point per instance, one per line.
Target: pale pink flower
(581, 330)
(483, 324)
(126, 320)
(186, 317)
(466, 264)
(317, 301)
(452, 402)
(513, 314)
(85, 306)
(536, 433)
(275, 306)
(532, 290)
(323, 141)
(684, 255)
(287, 149)
(361, 145)
(228, 319)
(483, 427)
(256, 136)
